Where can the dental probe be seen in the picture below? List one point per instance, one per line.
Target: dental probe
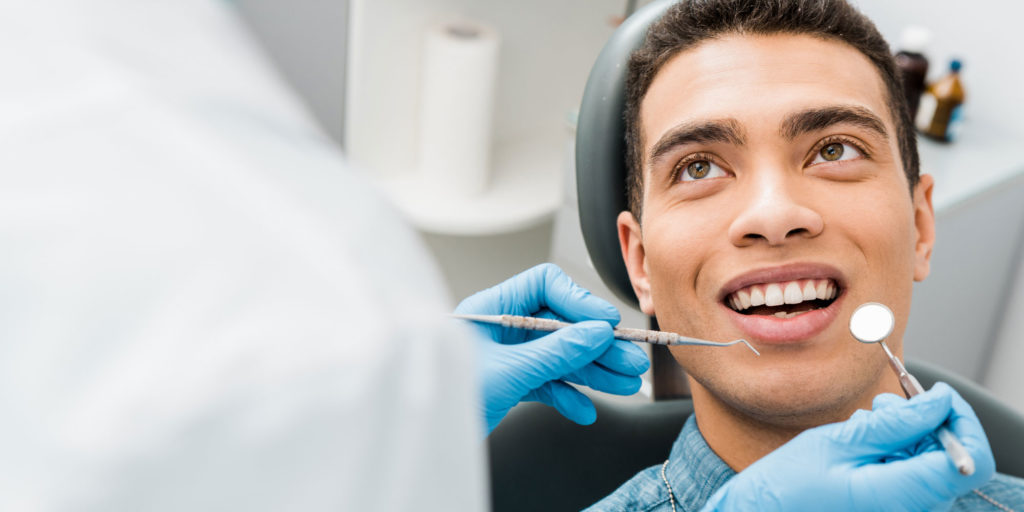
(641, 335)
(872, 323)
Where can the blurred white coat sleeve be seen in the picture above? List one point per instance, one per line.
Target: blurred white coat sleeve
(200, 307)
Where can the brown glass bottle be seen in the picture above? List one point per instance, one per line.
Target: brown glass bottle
(913, 65)
(914, 68)
(940, 113)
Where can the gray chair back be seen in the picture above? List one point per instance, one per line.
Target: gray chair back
(601, 149)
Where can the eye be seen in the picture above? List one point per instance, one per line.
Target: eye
(835, 152)
(701, 169)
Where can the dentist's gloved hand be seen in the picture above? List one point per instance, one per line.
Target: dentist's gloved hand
(883, 459)
(519, 365)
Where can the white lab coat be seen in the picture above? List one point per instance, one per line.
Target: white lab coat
(200, 307)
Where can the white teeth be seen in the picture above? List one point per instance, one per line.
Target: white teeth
(777, 294)
(756, 297)
(773, 295)
(744, 298)
(809, 293)
(821, 288)
(792, 294)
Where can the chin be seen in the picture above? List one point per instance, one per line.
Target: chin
(806, 409)
(791, 395)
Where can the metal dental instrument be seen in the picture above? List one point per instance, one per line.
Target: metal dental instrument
(641, 335)
(872, 323)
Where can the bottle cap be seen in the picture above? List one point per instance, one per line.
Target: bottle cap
(955, 65)
(914, 39)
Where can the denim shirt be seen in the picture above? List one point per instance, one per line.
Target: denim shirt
(696, 472)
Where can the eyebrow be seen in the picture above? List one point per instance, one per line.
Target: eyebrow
(815, 119)
(717, 130)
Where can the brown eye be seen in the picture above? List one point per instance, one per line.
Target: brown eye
(832, 152)
(698, 169)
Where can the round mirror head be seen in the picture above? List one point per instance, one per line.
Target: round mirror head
(872, 322)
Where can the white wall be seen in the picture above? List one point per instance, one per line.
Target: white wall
(985, 34)
(306, 40)
(308, 46)
(957, 312)
(1004, 370)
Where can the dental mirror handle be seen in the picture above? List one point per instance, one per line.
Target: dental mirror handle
(872, 322)
(954, 448)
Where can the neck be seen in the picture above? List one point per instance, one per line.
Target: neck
(740, 440)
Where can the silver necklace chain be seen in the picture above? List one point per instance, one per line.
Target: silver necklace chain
(991, 500)
(671, 497)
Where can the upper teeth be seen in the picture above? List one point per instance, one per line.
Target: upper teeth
(777, 294)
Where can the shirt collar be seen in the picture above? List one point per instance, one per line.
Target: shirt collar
(693, 469)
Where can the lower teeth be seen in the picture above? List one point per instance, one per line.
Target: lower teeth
(783, 314)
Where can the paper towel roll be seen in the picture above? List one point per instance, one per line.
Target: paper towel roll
(459, 71)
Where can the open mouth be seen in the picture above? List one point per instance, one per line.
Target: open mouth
(784, 299)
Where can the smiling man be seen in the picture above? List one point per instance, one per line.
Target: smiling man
(773, 203)
(774, 187)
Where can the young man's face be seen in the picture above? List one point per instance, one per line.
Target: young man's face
(772, 173)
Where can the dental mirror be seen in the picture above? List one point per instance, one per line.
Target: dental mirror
(871, 322)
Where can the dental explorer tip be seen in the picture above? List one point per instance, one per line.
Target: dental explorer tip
(751, 347)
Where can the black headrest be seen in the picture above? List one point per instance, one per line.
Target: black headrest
(601, 149)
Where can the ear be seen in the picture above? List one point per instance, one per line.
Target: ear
(632, 244)
(924, 222)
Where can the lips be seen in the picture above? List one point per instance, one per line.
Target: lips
(786, 304)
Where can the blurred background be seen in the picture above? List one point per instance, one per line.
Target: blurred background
(361, 69)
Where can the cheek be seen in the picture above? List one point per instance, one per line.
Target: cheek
(675, 246)
(880, 224)
(669, 263)
(884, 228)
(676, 252)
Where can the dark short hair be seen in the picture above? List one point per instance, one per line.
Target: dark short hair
(691, 22)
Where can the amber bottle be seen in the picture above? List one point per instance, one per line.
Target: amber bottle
(941, 111)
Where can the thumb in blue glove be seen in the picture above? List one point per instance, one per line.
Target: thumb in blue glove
(883, 459)
(521, 365)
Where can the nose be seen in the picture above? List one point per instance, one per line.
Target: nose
(774, 213)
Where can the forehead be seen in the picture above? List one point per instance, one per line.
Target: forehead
(758, 80)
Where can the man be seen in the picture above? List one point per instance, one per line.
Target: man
(774, 187)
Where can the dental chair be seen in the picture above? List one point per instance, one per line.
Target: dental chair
(542, 461)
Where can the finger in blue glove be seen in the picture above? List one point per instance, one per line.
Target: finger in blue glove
(567, 400)
(517, 364)
(511, 372)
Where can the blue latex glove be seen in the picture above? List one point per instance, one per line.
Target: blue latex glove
(883, 459)
(519, 365)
